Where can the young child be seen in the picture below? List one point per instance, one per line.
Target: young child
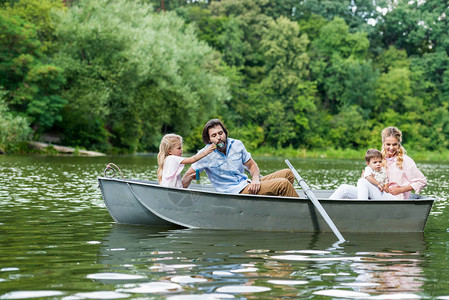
(171, 162)
(374, 171)
(374, 182)
(375, 179)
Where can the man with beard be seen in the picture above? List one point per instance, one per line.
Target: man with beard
(225, 167)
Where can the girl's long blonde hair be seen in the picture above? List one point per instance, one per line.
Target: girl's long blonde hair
(397, 134)
(168, 142)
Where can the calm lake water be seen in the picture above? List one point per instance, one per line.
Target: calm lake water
(57, 241)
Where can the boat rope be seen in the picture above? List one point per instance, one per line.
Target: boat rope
(113, 167)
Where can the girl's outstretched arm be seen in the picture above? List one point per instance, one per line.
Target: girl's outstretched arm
(200, 155)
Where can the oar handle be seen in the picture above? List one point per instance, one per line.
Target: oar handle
(315, 201)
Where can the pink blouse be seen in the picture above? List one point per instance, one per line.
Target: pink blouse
(409, 175)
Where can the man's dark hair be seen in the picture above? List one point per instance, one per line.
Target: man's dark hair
(210, 124)
(371, 153)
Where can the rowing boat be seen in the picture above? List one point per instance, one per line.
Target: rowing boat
(200, 206)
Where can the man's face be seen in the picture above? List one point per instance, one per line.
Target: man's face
(217, 135)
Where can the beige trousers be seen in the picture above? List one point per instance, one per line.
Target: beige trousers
(279, 183)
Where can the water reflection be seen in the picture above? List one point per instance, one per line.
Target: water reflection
(236, 262)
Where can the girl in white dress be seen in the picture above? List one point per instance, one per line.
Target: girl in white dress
(171, 163)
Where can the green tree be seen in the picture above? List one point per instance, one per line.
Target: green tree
(33, 84)
(341, 67)
(417, 26)
(285, 84)
(136, 73)
(349, 129)
(253, 22)
(38, 12)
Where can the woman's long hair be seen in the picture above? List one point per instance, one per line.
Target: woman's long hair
(397, 134)
(168, 142)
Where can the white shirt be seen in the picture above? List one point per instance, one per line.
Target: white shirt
(380, 176)
(171, 173)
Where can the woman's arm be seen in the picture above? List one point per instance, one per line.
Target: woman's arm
(396, 190)
(417, 180)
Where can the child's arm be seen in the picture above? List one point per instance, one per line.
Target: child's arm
(198, 156)
(371, 179)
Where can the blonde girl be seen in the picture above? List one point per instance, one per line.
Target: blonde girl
(171, 163)
(403, 174)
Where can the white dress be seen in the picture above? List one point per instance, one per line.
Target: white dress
(171, 173)
(380, 176)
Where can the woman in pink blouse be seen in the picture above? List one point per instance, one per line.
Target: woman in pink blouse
(402, 172)
(403, 175)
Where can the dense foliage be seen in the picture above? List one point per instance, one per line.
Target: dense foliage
(13, 129)
(312, 74)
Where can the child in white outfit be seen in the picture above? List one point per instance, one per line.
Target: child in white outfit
(373, 184)
(171, 163)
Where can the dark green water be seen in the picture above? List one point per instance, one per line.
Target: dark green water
(57, 241)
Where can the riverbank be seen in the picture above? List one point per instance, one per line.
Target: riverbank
(430, 156)
(45, 148)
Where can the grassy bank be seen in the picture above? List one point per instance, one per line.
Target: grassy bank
(431, 156)
(290, 152)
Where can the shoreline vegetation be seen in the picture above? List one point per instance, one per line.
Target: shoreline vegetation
(424, 156)
(34, 147)
(116, 75)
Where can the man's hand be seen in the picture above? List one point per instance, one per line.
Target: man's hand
(188, 177)
(254, 186)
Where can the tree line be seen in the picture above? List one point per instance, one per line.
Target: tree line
(115, 75)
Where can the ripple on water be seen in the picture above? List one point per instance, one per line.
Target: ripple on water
(114, 276)
(307, 258)
(97, 295)
(242, 289)
(201, 297)
(151, 287)
(222, 273)
(187, 279)
(342, 294)
(164, 267)
(245, 270)
(288, 282)
(30, 294)
(396, 296)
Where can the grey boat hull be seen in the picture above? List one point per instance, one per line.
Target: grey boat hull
(147, 203)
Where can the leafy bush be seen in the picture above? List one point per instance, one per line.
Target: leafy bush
(14, 129)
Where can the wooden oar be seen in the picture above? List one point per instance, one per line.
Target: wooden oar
(315, 202)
